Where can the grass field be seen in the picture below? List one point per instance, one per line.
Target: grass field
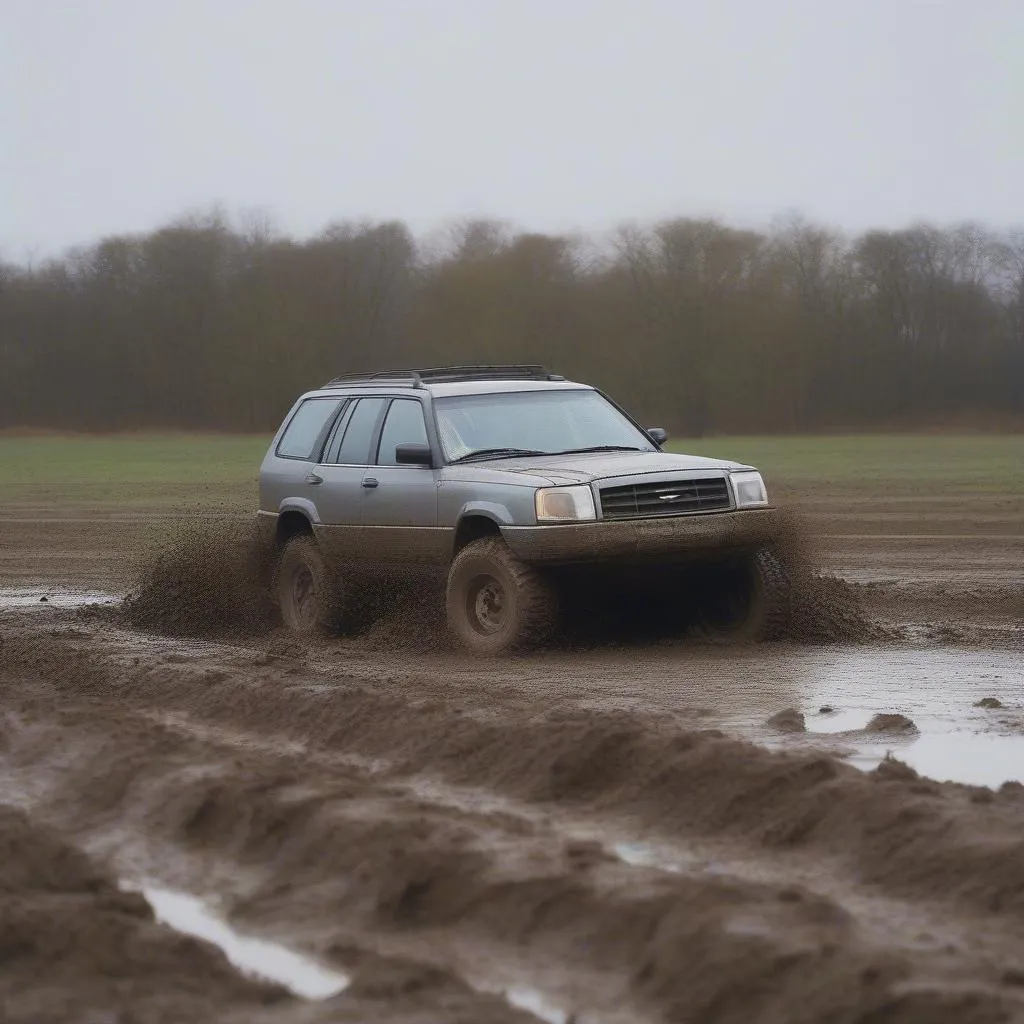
(147, 469)
(60, 495)
(893, 464)
(138, 470)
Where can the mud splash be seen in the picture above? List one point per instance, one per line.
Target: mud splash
(211, 578)
(207, 578)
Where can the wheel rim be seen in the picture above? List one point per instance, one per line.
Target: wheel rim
(304, 599)
(487, 605)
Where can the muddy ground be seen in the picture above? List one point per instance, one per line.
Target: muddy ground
(633, 827)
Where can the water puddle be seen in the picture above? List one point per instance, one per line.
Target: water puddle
(52, 597)
(300, 975)
(976, 747)
(971, 758)
(534, 1002)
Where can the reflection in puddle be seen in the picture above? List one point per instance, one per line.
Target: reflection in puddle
(977, 760)
(268, 960)
(942, 751)
(48, 597)
(840, 721)
(532, 1001)
(643, 856)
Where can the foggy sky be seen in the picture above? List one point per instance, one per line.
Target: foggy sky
(556, 114)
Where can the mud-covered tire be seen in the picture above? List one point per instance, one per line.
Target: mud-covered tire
(309, 592)
(749, 601)
(496, 604)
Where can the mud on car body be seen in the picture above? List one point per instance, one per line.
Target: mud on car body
(510, 481)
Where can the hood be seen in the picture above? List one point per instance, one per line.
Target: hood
(585, 468)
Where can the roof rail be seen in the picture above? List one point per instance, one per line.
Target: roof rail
(379, 377)
(437, 374)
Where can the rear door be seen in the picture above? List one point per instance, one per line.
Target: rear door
(399, 510)
(288, 477)
(346, 458)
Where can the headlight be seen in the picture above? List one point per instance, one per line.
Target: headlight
(565, 504)
(749, 489)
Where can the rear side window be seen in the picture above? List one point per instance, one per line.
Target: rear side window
(403, 425)
(355, 445)
(337, 433)
(301, 437)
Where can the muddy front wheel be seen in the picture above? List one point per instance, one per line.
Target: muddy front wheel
(495, 603)
(746, 600)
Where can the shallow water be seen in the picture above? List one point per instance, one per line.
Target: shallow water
(536, 1003)
(937, 687)
(268, 960)
(971, 758)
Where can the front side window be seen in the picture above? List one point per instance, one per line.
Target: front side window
(403, 425)
(533, 422)
(302, 435)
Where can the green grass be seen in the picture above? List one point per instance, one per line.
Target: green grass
(154, 470)
(883, 465)
(136, 469)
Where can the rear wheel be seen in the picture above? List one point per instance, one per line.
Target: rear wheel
(309, 591)
(745, 601)
(495, 603)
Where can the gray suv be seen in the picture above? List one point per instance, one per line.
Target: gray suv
(509, 482)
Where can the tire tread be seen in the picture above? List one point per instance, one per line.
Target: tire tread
(537, 599)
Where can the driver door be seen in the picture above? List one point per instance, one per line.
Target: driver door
(399, 507)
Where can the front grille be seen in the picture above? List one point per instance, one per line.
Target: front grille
(665, 498)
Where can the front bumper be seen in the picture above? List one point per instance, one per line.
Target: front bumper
(680, 538)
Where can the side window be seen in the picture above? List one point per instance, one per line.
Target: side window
(301, 436)
(337, 433)
(403, 425)
(355, 445)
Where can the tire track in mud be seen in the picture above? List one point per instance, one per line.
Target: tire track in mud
(74, 947)
(352, 861)
(336, 838)
(911, 835)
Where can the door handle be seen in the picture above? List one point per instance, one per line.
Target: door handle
(313, 478)
(369, 481)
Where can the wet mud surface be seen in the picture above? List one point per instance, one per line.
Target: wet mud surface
(629, 827)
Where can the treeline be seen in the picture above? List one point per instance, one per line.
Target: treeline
(695, 324)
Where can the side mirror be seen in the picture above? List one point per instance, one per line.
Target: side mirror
(658, 435)
(413, 455)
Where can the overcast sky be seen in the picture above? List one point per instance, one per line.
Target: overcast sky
(118, 115)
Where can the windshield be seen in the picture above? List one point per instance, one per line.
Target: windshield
(533, 422)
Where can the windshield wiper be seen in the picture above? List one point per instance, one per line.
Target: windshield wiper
(497, 453)
(603, 448)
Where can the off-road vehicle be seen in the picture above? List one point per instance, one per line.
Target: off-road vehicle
(510, 481)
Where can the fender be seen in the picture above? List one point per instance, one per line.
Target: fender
(498, 513)
(303, 505)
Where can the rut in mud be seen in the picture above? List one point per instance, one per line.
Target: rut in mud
(443, 845)
(65, 920)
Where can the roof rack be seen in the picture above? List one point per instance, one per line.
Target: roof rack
(382, 378)
(437, 374)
